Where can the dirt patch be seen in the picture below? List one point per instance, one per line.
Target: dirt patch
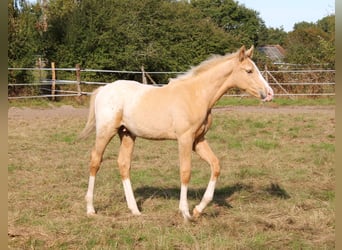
(68, 111)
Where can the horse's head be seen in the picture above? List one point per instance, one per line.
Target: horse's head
(248, 77)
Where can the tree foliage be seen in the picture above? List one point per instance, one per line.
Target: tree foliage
(23, 38)
(161, 35)
(273, 36)
(244, 24)
(312, 43)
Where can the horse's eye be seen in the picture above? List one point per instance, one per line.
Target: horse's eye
(249, 71)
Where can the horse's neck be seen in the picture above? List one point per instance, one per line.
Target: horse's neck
(212, 85)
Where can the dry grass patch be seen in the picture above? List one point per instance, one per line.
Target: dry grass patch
(276, 189)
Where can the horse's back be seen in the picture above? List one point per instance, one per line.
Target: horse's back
(120, 91)
(123, 87)
(116, 98)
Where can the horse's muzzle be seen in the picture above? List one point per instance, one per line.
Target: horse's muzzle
(267, 97)
(262, 95)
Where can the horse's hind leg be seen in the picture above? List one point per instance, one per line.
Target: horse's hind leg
(184, 148)
(102, 139)
(124, 162)
(203, 149)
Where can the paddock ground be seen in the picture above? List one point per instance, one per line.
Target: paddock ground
(276, 189)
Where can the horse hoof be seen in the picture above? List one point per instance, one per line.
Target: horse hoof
(188, 218)
(195, 213)
(91, 214)
(137, 213)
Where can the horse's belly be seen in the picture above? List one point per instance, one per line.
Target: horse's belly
(149, 127)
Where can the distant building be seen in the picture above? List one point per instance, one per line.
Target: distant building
(274, 52)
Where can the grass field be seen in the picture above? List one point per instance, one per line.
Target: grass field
(276, 189)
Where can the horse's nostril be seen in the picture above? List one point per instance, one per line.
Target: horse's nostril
(262, 95)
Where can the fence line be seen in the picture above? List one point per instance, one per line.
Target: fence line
(99, 70)
(70, 82)
(160, 72)
(77, 94)
(146, 75)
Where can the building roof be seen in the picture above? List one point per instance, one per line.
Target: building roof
(275, 52)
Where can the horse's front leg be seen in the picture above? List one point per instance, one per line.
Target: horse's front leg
(185, 150)
(124, 162)
(203, 149)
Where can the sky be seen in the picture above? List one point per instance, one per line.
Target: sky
(286, 13)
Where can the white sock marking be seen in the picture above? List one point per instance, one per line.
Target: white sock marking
(207, 197)
(90, 195)
(131, 203)
(183, 202)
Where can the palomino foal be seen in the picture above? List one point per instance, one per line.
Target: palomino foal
(180, 111)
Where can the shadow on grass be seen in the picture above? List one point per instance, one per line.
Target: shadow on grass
(221, 196)
(275, 190)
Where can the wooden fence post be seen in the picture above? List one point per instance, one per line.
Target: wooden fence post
(53, 86)
(149, 77)
(144, 80)
(40, 69)
(78, 79)
(266, 74)
(144, 75)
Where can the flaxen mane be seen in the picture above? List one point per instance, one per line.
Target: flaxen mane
(212, 61)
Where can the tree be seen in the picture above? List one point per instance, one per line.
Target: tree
(273, 36)
(242, 23)
(22, 38)
(21, 33)
(312, 43)
(161, 35)
(327, 24)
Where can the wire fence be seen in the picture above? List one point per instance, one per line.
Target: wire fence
(43, 82)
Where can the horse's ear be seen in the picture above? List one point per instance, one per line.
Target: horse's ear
(249, 53)
(242, 53)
